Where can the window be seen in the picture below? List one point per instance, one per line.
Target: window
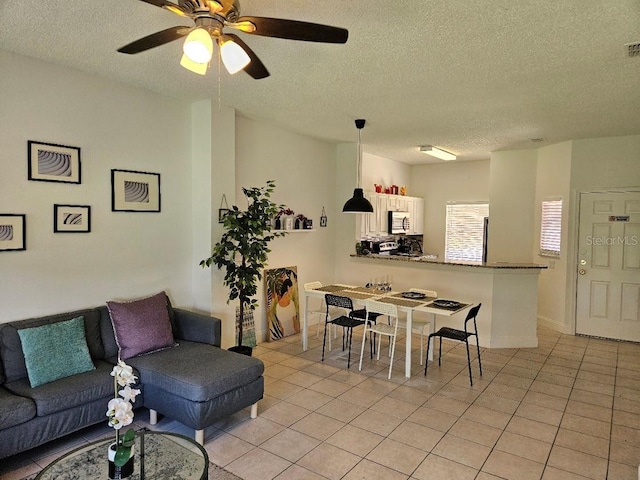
(551, 228)
(464, 238)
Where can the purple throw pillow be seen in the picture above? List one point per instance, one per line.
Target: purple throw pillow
(141, 326)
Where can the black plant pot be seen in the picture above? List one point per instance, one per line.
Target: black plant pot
(118, 473)
(242, 349)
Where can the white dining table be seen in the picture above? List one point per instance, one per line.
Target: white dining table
(359, 294)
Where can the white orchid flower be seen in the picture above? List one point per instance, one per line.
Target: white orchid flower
(129, 394)
(120, 413)
(123, 374)
(120, 410)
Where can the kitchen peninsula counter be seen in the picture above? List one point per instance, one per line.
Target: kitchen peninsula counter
(508, 291)
(421, 261)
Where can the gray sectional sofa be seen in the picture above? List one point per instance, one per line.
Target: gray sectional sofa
(194, 381)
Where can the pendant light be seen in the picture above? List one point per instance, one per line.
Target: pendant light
(358, 204)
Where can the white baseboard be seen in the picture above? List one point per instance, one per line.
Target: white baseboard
(553, 324)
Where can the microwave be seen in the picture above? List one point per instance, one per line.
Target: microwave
(399, 222)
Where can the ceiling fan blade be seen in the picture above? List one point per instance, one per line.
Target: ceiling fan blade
(256, 68)
(295, 30)
(155, 40)
(172, 7)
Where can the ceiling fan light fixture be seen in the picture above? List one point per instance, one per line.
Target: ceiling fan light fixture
(233, 56)
(198, 46)
(437, 152)
(199, 68)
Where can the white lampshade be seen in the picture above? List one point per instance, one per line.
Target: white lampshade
(198, 46)
(199, 68)
(233, 56)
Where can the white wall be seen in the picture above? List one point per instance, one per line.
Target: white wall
(512, 206)
(305, 175)
(126, 255)
(552, 181)
(442, 183)
(383, 171)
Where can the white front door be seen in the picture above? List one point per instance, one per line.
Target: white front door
(608, 290)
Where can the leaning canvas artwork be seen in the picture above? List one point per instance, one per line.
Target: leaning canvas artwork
(281, 294)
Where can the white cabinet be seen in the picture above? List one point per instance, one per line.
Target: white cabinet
(415, 207)
(377, 223)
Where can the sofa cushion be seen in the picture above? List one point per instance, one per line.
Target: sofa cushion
(141, 326)
(14, 410)
(1, 370)
(11, 348)
(55, 351)
(216, 371)
(68, 392)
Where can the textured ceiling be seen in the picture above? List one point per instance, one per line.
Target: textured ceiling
(469, 76)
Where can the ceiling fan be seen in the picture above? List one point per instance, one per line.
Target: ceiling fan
(211, 17)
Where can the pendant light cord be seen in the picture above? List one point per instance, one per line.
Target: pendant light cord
(359, 173)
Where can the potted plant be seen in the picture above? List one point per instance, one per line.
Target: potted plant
(120, 413)
(284, 212)
(243, 248)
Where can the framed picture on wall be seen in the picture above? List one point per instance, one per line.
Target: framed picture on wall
(49, 162)
(71, 218)
(13, 232)
(133, 191)
(281, 297)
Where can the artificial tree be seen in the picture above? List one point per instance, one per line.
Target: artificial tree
(243, 248)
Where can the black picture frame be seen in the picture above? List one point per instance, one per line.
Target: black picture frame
(13, 232)
(221, 213)
(71, 218)
(51, 162)
(134, 191)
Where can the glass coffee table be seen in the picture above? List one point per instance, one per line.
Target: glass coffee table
(158, 455)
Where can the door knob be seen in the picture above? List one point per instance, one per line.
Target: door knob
(582, 271)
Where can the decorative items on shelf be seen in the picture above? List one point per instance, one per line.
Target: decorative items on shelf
(303, 223)
(286, 219)
(390, 190)
(323, 218)
(283, 219)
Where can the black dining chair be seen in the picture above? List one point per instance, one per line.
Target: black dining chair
(348, 322)
(460, 336)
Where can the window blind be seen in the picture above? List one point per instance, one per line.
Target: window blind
(551, 228)
(465, 231)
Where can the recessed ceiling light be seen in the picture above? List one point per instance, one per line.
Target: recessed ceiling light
(437, 152)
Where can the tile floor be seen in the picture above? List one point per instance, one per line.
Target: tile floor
(568, 409)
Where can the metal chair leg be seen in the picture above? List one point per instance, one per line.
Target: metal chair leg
(478, 346)
(426, 360)
(469, 362)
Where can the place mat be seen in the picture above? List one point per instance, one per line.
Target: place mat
(401, 302)
(356, 295)
(332, 288)
(404, 295)
(448, 305)
(370, 291)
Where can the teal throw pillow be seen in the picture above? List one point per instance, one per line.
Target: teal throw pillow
(54, 351)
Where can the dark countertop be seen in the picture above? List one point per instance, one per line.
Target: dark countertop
(421, 260)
